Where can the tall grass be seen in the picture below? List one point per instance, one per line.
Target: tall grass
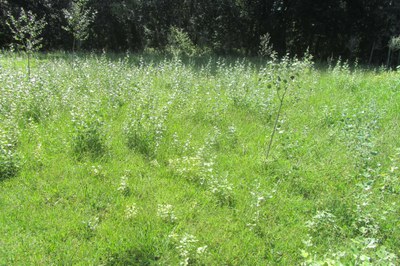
(144, 160)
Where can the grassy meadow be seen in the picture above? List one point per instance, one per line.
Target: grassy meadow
(142, 160)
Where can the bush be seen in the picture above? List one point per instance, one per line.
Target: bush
(179, 43)
(266, 48)
(394, 43)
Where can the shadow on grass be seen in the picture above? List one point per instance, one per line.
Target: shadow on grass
(135, 256)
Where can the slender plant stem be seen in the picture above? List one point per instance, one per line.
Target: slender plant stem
(29, 66)
(281, 99)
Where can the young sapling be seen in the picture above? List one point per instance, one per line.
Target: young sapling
(26, 30)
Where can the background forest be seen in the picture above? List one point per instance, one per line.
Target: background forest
(350, 29)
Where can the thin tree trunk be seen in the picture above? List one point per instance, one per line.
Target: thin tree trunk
(371, 54)
(398, 59)
(388, 58)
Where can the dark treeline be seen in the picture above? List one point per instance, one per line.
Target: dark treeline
(330, 28)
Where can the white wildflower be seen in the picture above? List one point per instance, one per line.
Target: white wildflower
(131, 211)
(166, 212)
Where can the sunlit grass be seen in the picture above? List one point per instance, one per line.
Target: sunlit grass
(143, 160)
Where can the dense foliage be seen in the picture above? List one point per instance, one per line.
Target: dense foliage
(143, 160)
(332, 28)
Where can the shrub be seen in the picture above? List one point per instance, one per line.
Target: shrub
(266, 48)
(179, 43)
(394, 43)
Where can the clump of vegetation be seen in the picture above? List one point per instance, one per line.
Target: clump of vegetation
(179, 43)
(88, 137)
(266, 48)
(145, 128)
(9, 159)
(188, 248)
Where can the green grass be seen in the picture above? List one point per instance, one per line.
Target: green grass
(143, 160)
